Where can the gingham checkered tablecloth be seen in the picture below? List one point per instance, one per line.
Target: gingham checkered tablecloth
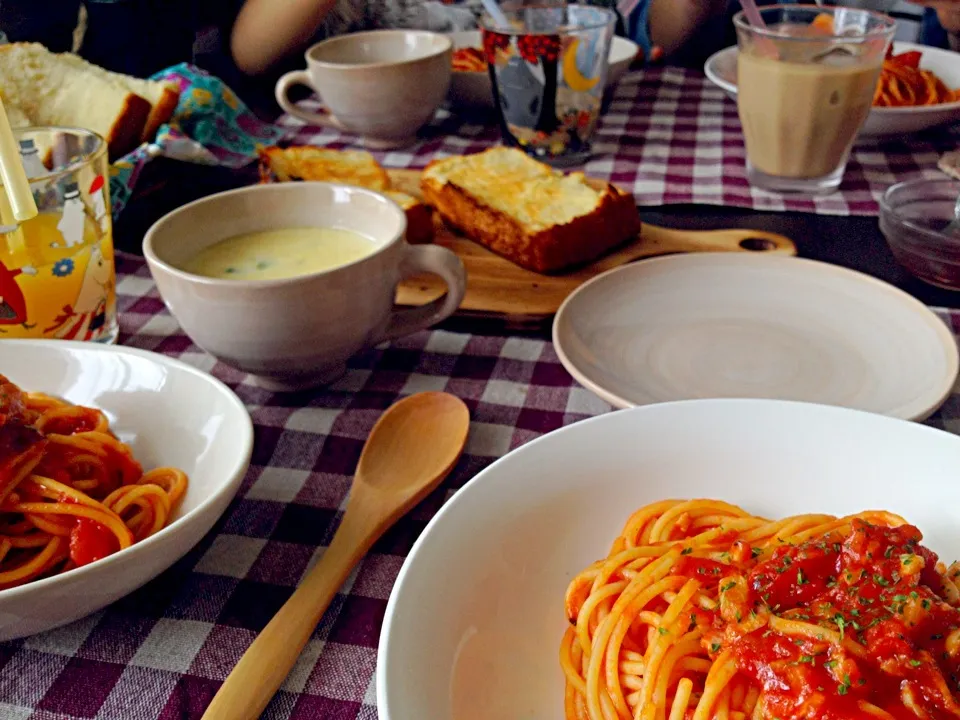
(673, 138)
(161, 653)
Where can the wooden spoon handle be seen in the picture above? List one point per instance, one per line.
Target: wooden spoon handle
(269, 659)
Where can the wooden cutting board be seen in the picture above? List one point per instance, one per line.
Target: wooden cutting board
(497, 286)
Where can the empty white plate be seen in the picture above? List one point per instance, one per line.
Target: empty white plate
(716, 325)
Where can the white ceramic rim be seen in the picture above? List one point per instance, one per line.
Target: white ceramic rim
(709, 69)
(152, 258)
(888, 28)
(76, 165)
(923, 409)
(446, 46)
(489, 24)
(244, 445)
(463, 495)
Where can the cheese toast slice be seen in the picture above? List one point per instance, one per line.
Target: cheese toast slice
(527, 212)
(350, 167)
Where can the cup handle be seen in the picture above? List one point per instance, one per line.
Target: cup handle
(302, 77)
(438, 261)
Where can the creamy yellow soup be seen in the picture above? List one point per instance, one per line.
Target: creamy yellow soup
(284, 253)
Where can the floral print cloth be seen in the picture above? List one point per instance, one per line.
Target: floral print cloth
(210, 126)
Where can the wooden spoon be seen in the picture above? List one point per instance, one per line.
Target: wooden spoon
(413, 446)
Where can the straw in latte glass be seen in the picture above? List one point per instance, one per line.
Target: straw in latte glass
(756, 19)
(20, 203)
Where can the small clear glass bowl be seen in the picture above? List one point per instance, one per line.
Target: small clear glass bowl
(913, 217)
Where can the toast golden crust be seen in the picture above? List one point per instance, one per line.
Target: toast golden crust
(548, 251)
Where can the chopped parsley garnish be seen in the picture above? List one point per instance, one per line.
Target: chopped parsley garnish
(841, 624)
(844, 687)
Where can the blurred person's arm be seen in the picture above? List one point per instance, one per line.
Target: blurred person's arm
(941, 23)
(673, 23)
(267, 31)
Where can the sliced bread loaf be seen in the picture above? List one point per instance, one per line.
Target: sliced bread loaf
(162, 96)
(52, 91)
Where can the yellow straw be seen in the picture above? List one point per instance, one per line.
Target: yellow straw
(12, 176)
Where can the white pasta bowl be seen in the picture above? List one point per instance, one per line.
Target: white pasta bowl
(721, 70)
(473, 89)
(171, 415)
(474, 623)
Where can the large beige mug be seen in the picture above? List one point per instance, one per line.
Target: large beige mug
(383, 85)
(300, 331)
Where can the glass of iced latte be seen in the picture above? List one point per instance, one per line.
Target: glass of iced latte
(805, 87)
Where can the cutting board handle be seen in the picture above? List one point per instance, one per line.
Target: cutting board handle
(730, 240)
(656, 240)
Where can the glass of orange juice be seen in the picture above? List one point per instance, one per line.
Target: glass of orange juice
(57, 275)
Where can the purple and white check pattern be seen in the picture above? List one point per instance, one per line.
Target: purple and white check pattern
(673, 138)
(161, 653)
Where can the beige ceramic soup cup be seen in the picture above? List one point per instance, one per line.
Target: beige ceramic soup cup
(296, 332)
(383, 85)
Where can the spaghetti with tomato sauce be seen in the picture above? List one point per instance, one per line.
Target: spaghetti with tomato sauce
(70, 492)
(703, 611)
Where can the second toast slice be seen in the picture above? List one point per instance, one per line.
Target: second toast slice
(351, 167)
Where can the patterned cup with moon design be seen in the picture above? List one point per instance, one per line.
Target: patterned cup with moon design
(57, 274)
(548, 67)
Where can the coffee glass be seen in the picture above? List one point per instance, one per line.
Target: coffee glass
(383, 85)
(299, 331)
(805, 85)
(548, 68)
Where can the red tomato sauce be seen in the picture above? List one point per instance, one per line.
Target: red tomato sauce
(878, 588)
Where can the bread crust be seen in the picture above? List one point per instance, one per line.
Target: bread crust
(127, 128)
(561, 247)
(161, 112)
